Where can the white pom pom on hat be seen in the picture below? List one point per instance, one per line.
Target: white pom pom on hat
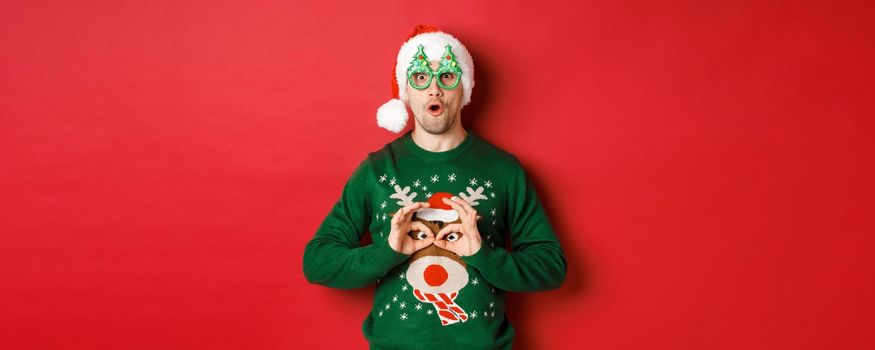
(392, 115)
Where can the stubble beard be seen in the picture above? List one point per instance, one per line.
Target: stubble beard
(435, 125)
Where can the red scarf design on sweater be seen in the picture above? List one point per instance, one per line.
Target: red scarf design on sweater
(448, 311)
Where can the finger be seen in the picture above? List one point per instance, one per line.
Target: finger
(463, 203)
(456, 206)
(417, 225)
(446, 245)
(464, 213)
(400, 215)
(416, 209)
(396, 216)
(422, 244)
(409, 210)
(472, 213)
(447, 230)
(441, 244)
(473, 216)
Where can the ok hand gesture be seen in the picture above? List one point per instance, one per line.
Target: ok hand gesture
(399, 240)
(461, 238)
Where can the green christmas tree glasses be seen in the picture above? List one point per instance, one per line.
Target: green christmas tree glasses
(420, 73)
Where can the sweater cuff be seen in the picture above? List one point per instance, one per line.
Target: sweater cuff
(386, 258)
(481, 258)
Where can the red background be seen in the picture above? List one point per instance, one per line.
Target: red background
(707, 167)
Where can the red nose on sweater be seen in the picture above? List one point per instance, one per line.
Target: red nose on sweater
(435, 275)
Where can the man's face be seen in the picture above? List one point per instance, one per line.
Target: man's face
(435, 109)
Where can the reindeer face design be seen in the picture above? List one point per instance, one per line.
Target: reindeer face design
(434, 269)
(437, 275)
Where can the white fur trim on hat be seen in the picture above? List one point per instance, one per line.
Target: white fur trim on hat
(434, 43)
(392, 115)
(434, 214)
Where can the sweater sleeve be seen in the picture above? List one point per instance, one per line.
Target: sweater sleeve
(537, 262)
(334, 257)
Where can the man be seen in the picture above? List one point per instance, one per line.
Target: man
(437, 202)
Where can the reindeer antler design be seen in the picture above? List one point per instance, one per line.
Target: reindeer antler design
(402, 196)
(473, 195)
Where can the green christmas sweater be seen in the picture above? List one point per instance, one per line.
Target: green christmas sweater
(435, 298)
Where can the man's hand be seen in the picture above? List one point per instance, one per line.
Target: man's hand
(461, 238)
(399, 240)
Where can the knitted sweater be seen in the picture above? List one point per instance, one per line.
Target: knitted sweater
(438, 300)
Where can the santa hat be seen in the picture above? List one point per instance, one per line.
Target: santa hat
(437, 209)
(392, 115)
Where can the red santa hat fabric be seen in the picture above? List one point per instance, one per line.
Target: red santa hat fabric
(438, 210)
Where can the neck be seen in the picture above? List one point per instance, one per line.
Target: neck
(439, 142)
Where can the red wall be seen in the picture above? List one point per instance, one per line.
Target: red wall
(707, 165)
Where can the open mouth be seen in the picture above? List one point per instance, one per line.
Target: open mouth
(435, 108)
